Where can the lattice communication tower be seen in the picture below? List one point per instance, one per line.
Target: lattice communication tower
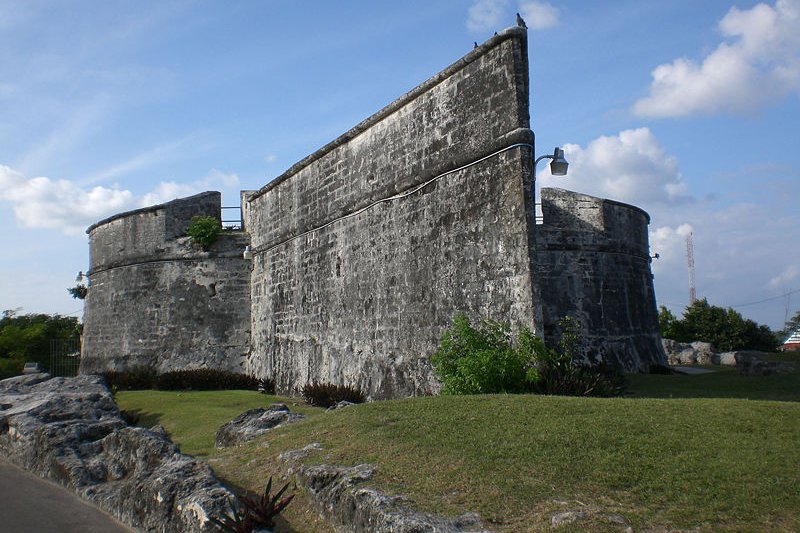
(690, 259)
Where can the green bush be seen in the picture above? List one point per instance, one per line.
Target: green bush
(204, 230)
(145, 378)
(136, 378)
(205, 379)
(79, 291)
(485, 361)
(328, 395)
(10, 367)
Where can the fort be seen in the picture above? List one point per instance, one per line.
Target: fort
(362, 253)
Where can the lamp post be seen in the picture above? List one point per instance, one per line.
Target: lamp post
(558, 165)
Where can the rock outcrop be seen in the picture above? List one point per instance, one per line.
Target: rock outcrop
(689, 353)
(253, 423)
(747, 362)
(339, 497)
(70, 430)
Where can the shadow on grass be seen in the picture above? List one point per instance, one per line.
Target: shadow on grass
(141, 418)
(721, 383)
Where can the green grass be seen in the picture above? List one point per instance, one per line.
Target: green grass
(721, 383)
(717, 464)
(193, 417)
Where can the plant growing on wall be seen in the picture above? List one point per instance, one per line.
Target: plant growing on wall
(204, 230)
(79, 291)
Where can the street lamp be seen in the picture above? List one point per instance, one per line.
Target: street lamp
(558, 165)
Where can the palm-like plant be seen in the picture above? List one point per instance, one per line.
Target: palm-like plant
(252, 513)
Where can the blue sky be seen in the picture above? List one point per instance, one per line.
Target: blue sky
(690, 110)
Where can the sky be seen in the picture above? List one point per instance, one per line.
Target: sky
(689, 110)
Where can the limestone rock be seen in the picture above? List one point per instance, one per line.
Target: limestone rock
(253, 423)
(340, 405)
(339, 497)
(727, 358)
(567, 517)
(694, 353)
(70, 430)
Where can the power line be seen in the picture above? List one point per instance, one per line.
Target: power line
(784, 295)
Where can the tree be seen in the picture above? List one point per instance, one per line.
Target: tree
(726, 329)
(667, 323)
(27, 338)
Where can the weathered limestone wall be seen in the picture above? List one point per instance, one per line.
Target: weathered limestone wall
(363, 300)
(156, 299)
(593, 263)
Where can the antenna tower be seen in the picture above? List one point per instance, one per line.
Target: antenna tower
(690, 259)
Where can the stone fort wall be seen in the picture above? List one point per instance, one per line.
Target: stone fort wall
(364, 251)
(351, 285)
(593, 264)
(158, 300)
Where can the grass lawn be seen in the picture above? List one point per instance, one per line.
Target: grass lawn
(702, 459)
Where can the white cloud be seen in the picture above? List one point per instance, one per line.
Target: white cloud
(670, 244)
(169, 190)
(759, 65)
(62, 205)
(492, 15)
(789, 275)
(487, 15)
(538, 15)
(58, 204)
(630, 167)
(217, 176)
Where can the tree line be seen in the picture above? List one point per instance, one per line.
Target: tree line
(27, 338)
(726, 329)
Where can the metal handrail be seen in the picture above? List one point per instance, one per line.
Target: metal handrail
(234, 223)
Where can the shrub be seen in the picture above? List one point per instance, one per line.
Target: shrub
(266, 386)
(484, 361)
(253, 513)
(79, 291)
(144, 377)
(328, 395)
(205, 379)
(136, 378)
(10, 367)
(204, 230)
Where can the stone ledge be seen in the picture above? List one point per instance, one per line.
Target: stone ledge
(70, 430)
(340, 498)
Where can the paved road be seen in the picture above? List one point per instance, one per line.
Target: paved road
(29, 504)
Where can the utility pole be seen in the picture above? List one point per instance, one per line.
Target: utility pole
(690, 259)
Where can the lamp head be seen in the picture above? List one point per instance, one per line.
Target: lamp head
(559, 165)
